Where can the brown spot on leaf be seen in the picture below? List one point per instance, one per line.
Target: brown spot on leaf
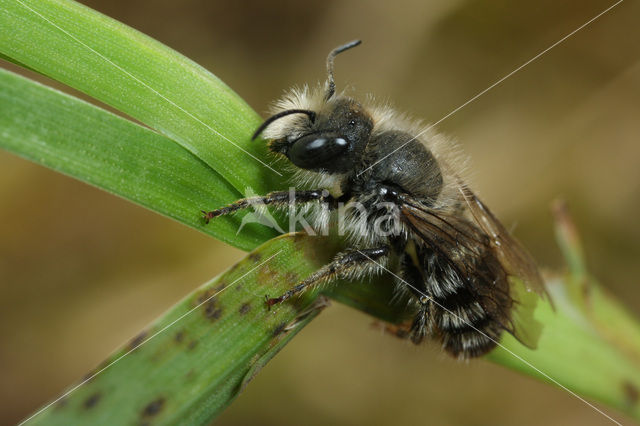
(212, 311)
(92, 401)
(246, 307)
(61, 403)
(279, 329)
(137, 341)
(631, 393)
(267, 275)
(93, 373)
(192, 344)
(153, 408)
(255, 257)
(89, 376)
(179, 336)
(204, 296)
(220, 287)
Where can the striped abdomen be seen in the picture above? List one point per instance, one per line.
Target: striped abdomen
(468, 312)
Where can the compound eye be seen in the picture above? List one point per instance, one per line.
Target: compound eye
(318, 152)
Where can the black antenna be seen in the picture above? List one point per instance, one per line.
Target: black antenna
(311, 114)
(331, 85)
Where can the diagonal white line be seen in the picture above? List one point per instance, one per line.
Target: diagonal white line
(496, 83)
(144, 341)
(148, 87)
(497, 343)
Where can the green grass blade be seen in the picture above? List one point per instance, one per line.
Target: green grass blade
(97, 147)
(189, 372)
(142, 78)
(590, 344)
(577, 352)
(190, 364)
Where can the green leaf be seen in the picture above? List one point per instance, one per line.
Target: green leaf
(201, 353)
(577, 352)
(191, 363)
(97, 147)
(142, 78)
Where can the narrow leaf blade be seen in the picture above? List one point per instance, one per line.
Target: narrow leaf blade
(142, 78)
(191, 363)
(97, 147)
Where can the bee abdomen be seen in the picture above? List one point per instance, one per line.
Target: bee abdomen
(466, 329)
(471, 340)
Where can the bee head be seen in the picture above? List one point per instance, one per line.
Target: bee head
(331, 140)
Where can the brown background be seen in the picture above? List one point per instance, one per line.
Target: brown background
(81, 271)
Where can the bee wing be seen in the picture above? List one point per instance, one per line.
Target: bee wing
(526, 282)
(513, 256)
(457, 240)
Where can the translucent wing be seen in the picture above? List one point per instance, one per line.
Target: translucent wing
(527, 284)
(516, 260)
(484, 247)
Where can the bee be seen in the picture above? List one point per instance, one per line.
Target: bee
(407, 211)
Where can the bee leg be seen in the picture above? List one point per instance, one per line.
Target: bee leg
(420, 327)
(352, 261)
(401, 331)
(278, 198)
(412, 280)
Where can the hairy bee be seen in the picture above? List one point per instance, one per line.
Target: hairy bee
(412, 214)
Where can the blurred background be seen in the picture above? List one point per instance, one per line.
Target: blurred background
(82, 271)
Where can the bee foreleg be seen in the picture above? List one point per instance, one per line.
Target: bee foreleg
(345, 264)
(277, 198)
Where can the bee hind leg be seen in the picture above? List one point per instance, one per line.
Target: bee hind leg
(421, 327)
(415, 330)
(347, 263)
(412, 280)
